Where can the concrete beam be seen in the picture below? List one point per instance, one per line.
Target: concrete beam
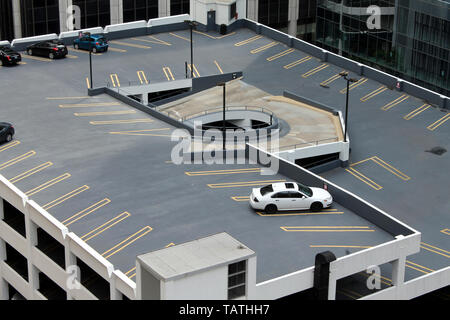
(17, 18)
(116, 9)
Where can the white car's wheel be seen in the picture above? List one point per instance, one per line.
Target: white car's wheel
(316, 207)
(271, 209)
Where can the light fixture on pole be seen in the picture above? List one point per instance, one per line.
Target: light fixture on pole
(222, 84)
(344, 74)
(192, 25)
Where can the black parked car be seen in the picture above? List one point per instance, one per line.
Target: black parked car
(51, 49)
(9, 56)
(6, 132)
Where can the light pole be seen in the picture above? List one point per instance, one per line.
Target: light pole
(191, 24)
(344, 74)
(222, 84)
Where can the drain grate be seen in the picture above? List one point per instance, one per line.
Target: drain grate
(437, 150)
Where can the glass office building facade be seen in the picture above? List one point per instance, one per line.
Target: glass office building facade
(6, 20)
(39, 17)
(135, 10)
(94, 13)
(179, 7)
(412, 41)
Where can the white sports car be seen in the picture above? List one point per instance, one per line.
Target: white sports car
(289, 196)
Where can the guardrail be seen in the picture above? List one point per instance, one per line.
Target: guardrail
(246, 108)
(311, 143)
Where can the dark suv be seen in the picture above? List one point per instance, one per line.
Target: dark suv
(9, 56)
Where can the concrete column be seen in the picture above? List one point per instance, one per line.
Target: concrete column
(2, 213)
(33, 272)
(4, 295)
(164, 8)
(398, 271)
(114, 293)
(63, 14)
(116, 7)
(332, 283)
(293, 17)
(70, 260)
(17, 18)
(252, 10)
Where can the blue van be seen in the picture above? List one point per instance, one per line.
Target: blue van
(98, 43)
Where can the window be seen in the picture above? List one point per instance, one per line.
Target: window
(236, 279)
(94, 13)
(39, 17)
(179, 7)
(282, 194)
(289, 185)
(232, 11)
(135, 10)
(295, 194)
(265, 190)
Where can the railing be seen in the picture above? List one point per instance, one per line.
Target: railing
(311, 143)
(246, 108)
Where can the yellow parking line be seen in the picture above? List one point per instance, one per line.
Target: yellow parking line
(324, 212)
(9, 145)
(373, 93)
(83, 51)
(446, 231)
(71, 56)
(158, 41)
(351, 296)
(68, 98)
(121, 43)
(124, 243)
(115, 80)
(240, 198)
(77, 216)
(297, 62)
(168, 73)
(434, 249)
(205, 34)
(17, 159)
(281, 54)
(326, 229)
(331, 79)
(88, 84)
(362, 161)
(181, 37)
(86, 105)
(36, 58)
(247, 41)
(383, 279)
(65, 197)
(242, 184)
(117, 50)
(30, 172)
(142, 77)
(195, 73)
(364, 179)
(47, 184)
(338, 246)
(395, 102)
(354, 85)
(417, 111)
(105, 226)
(127, 121)
(218, 66)
(265, 47)
(390, 168)
(106, 113)
(315, 70)
(424, 269)
(439, 122)
(143, 132)
(225, 171)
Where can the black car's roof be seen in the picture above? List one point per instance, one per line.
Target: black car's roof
(7, 49)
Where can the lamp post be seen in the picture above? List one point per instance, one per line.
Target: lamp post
(222, 84)
(344, 74)
(90, 63)
(191, 24)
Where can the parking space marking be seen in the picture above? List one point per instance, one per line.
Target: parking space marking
(331, 79)
(240, 198)
(418, 267)
(434, 249)
(117, 50)
(326, 229)
(338, 246)
(265, 47)
(180, 37)
(315, 70)
(417, 111)
(323, 212)
(115, 80)
(126, 242)
(68, 98)
(281, 54)
(218, 66)
(364, 179)
(70, 56)
(22, 157)
(77, 216)
(390, 168)
(372, 94)
(395, 102)
(26, 56)
(154, 40)
(30, 172)
(83, 51)
(297, 62)
(105, 226)
(48, 184)
(128, 44)
(224, 171)
(195, 72)
(168, 73)
(242, 184)
(213, 37)
(350, 294)
(142, 77)
(106, 113)
(88, 84)
(9, 145)
(247, 41)
(65, 197)
(143, 132)
(126, 121)
(439, 122)
(87, 105)
(354, 85)
(446, 231)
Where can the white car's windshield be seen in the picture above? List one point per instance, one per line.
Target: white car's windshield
(305, 190)
(265, 190)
